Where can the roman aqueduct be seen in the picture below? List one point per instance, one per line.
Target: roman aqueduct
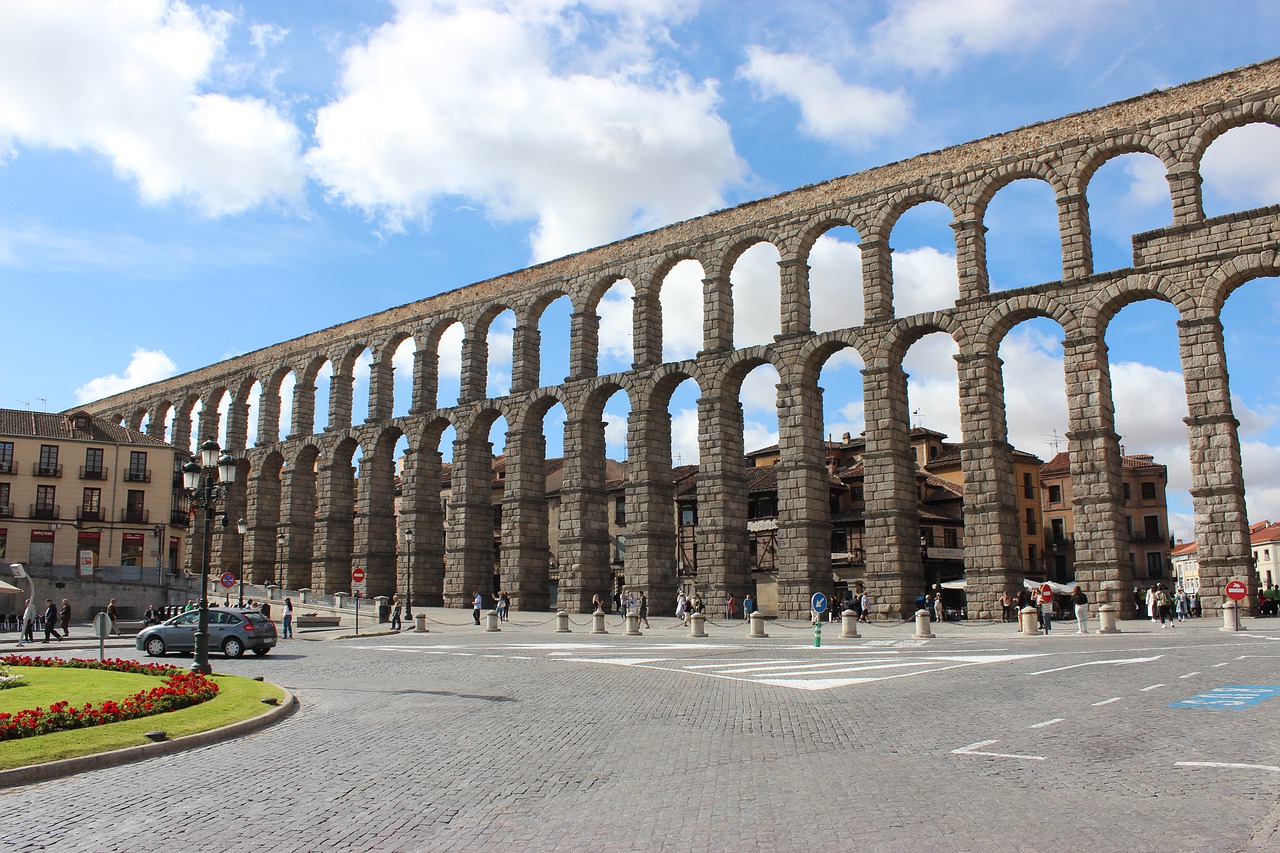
(304, 483)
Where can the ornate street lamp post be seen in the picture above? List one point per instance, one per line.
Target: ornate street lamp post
(208, 483)
(280, 559)
(408, 595)
(242, 527)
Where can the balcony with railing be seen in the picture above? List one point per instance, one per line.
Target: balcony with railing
(86, 514)
(179, 518)
(45, 511)
(38, 470)
(92, 472)
(6, 510)
(137, 475)
(133, 515)
(8, 466)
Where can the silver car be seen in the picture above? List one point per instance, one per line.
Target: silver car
(230, 631)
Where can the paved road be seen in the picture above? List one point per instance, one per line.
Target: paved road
(528, 740)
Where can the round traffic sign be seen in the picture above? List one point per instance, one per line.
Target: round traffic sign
(1237, 591)
(819, 603)
(1046, 591)
(357, 575)
(227, 580)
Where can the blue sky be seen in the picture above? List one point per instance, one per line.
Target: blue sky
(183, 183)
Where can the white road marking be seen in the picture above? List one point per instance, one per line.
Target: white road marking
(1216, 665)
(1189, 675)
(1047, 723)
(1108, 701)
(1234, 765)
(972, 749)
(1153, 687)
(1117, 662)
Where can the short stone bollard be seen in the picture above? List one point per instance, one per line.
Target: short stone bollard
(633, 625)
(757, 625)
(304, 594)
(382, 601)
(1107, 615)
(597, 622)
(922, 626)
(1029, 622)
(491, 621)
(849, 625)
(562, 623)
(420, 623)
(339, 600)
(1230, 616)
(696, 625)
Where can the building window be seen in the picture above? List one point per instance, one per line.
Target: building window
(1059, 527)
(857, 494)
(1028, 486)
(926, 537)
(45, 502)
(1148, 491)
(1031, 520)
(1126, 492)
(688, 515)
(131, 549)
(1155, 564)
(1151, 528)
(6, 457)
(92, 464)
(839, 540)
(91, 505)
(497, 516)
(1031, 555)
(48, 460)
(620, 510)
(1055, 494)
(135, 507)
(949, 538)
(5, 509)
(620, 549)
(762, 506)
(137, 472)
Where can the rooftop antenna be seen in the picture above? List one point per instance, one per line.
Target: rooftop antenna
(44, 404)
(1053, 442)
(25, 403)
(917, 416)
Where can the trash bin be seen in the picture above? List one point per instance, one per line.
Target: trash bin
(384, 612)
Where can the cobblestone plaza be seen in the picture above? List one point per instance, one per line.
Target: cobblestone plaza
(461, 739)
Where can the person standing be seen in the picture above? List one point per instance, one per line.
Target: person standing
(64, 617)
(113, 616)
(476, 603)
(286, 619)
(682, 605)
(728, 606)
(747, 605)
(1081, 602)
(396, 609)
(51, 620)
(644, 608)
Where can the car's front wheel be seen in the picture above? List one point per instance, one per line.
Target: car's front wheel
(155, 647)
(233, 647)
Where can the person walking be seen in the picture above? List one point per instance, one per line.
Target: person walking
(682, 606)
(51, 620)
(644, 608)
(113, 616)
(747, 605)
(396, 609)
(64, 617)
(286, 619)
(27, 631)
(1081, 602)
(476, 603)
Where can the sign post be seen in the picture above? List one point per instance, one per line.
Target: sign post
(819, 605)
(357, 590)
(1237, 590)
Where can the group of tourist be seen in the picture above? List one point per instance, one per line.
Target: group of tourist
(1269, 600)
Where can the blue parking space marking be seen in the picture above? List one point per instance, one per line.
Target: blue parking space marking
(1235, 698)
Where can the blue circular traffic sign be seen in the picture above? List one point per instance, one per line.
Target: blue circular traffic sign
(228, 580)
(819, 603)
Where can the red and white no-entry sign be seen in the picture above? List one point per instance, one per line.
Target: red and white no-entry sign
(1237, 591)
(357, 577)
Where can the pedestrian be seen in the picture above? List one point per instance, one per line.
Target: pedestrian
(682, 605)
(644, 608)
(286, 619)
(938, 610)
(698, 605)
(1180, 601)
(1044, 605)
(597, 606)
(1152, 606)
(64, 616)
(1164, 605)
(113, 615)
(1081, 602)
(1006, 607)
(51, 620)
(747, 605)
(266, 609)
(504, 606)
(28, 630)
(476, 603)
(728, 607)
(864, 606)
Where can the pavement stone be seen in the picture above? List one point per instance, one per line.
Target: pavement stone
(461, 739)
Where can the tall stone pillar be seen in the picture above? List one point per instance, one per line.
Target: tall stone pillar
(646, 326)
(181, 432)
(374, 525)
(584, 521)
(526, 552)
(382, 388)
(1185, 188)
(303, 421)
(268, 417)
(264, 493)
(526, 358)
(291, 561)
(895, 575)
(1100, 546)
(971, 257)
(422, 513)
(877, 280)
(341, 390)
(804, 500)
(993, 540)
(651, 531)
(469, 537)
(334, 528)
(584, 344)
(426, 380)
(717, 317)
(156, 424)
(793, 274)
(237, 428)
(1217, 478)
(1077, 243)
(475, 368)
(724, 545)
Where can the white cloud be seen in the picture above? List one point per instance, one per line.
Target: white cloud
(1239, 168)
(835, 284)
(127, 80)
(681, 300)
(924, 279)
(757, 296)
(684, 437)
(502, 104)
(937, 35)
(145, 366)
(830, 109)
(617, 335)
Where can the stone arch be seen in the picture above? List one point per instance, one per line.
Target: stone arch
(906, 333)
(994, 326)
(1230, 276)
(1096, 156)
(881, 223)
(1099, 313)
(1221, 121)
(265, 514)
(992, 182)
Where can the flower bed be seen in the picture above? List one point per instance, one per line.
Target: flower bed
(181, 689)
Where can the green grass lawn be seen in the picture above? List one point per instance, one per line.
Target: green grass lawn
(237, 699)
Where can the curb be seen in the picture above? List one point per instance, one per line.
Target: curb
(70, 766)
